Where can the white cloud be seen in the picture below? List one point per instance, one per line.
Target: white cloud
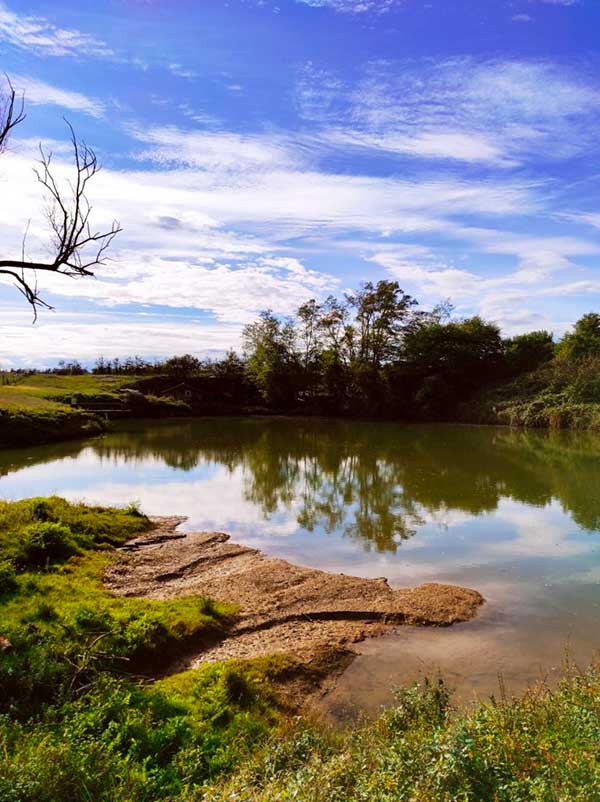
(493, 111)
(185, 245)
(428, 145)
(232, 293)
(182, 72)
(556, 2)
(227, 223)
(43, 94)
(85, 336)
(354, 6)
(513, 298)
(217, 151)
(43, 38)
(591, 218)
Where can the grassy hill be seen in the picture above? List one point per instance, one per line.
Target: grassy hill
(36, 408)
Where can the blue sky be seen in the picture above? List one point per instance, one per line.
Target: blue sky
(259, 153)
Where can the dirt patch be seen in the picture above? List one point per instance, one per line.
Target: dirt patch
(312, 615)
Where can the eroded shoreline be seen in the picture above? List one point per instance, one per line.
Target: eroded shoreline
(312, 615)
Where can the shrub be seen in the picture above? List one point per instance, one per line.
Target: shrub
(8, 580)
(44, 542)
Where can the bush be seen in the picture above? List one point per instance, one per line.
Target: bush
(8, 580)
(44, 542)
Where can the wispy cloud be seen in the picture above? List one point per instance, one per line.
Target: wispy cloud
(462, 109)
(182, 72)
(43, 38)
(208, 228)
(43, 94)
(86, 336)
(212, 150)
(556, 2)
(543, 263)
(354, 6)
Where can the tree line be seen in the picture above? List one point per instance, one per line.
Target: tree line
(374, 351)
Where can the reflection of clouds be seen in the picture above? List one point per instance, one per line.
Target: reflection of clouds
(209, 503)
(538, 532)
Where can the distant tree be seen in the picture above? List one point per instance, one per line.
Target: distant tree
(182, 367)
(452, 360)
(73, 368)
(269, 348)
(463, 347)
(309, 315)
(584, 340)
(77, 247)
(101, 366)
(384, 314)
(230, 367)
(333, 328)
(526, 352)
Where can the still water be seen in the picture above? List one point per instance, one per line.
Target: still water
(515, 515)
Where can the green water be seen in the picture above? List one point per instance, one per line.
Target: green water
(514, 514)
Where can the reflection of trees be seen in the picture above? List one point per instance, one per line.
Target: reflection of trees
(376, 483)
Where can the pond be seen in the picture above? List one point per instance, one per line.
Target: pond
(514, 514)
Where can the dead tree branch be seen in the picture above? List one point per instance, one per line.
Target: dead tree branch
(12, 112)
(78, 247)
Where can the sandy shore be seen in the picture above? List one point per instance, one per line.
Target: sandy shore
(309, 614)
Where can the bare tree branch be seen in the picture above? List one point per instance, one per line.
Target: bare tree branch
(78, 248)
(12, 112)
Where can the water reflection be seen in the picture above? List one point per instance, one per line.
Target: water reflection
(377, 484)
(514, 514)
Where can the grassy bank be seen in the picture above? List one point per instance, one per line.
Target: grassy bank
(542, 748)
(561, 394)
(37, 408)
(77, 721)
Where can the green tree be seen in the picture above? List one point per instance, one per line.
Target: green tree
(584, 340)
(450, 361)
(309, 315)
(384, 315)
(182, 367)
(269, 349)
(526, 352)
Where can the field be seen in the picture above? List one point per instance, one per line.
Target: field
(36, 408)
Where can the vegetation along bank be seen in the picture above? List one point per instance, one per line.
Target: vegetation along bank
(374, 353)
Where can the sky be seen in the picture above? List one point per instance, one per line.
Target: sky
(258, 153)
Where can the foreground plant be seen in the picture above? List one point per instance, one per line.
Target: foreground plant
(541, 748)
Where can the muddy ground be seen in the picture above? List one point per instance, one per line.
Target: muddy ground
(312, 615)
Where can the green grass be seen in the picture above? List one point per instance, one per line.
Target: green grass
(542, 748)
(36, 408)
(77, 722)
(46, 391)
(126, 742)
(63, 626)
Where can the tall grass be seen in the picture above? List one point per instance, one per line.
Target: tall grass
(541, 748)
